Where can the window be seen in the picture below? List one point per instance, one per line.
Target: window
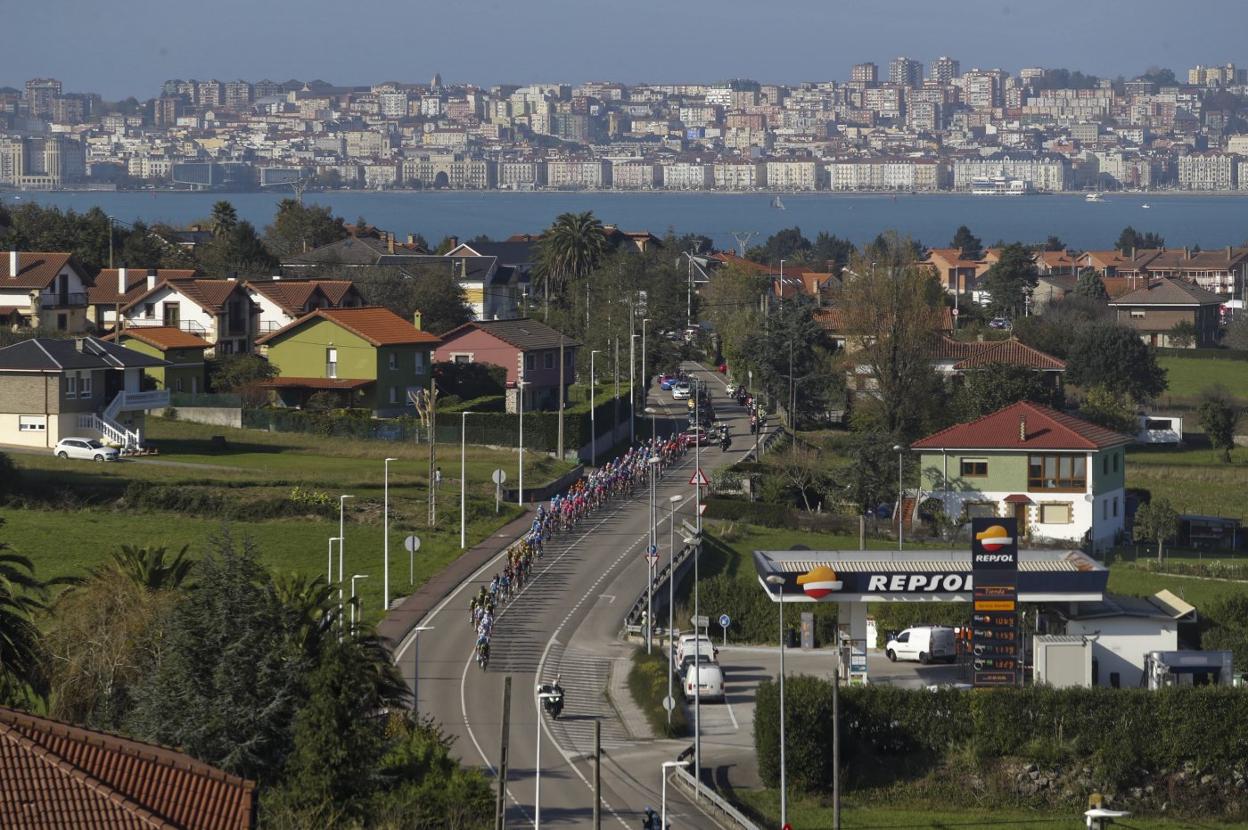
(1115, 511)
(530, 362)
(974, 467)
(331, 362)
(568, 358)
(393, 361)
(548, 360)
(62, 322)
(980, 509)
(1115, 462)
(149, 311)
(84, 385)
(1057, 472)
(461, 358)
(71, 385)
(903, 637)
(420, 363)
(1105, 509)
(1137, 313)
(32, 423)
(394, 394)
(1055, 513)
(177, 385)
(1105, 465)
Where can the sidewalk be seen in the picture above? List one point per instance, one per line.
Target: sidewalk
(402, 618)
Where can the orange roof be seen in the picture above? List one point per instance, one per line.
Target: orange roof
(210, 295)
(162, 337)
(749, 264)
(35, 269)
(1024, 426)
(54, 775)
(379, 326)
(104, 292)
(292, 295)
(975, 354)
(951, 257)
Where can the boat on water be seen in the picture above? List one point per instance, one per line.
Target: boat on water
(1000, 185)
(1146, 206)
(1093, 197)
(777, 202)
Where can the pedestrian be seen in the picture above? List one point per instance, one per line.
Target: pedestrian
(437, 478)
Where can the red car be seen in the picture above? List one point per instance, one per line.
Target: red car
(700, 436)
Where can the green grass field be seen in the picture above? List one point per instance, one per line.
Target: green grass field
(816, 814)
(1194, 478)
(1189, 376)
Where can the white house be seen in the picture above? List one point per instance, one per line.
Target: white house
(219, 311)
(43, 289)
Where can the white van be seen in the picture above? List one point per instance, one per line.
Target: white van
(685, 645)
(708, 678)
(924, 643)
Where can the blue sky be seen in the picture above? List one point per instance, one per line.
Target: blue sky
(127, 47)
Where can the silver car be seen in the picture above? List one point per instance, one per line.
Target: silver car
(85, 448)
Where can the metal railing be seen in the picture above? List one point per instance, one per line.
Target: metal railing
(711, 802)
(62, 299)
(190, 326)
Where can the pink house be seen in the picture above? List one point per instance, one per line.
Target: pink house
(527, 349)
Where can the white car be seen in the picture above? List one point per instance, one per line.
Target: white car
(685, 646)
(705, 681)
(924, 643)
(680, 391)
(86, 448)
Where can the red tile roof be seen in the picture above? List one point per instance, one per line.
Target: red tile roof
(1166, 292)
(35, 269)
(1024, 426)
(975, 354)
(379, 326)
(747, 264)
(104, 292)
(292, 296)
(210, 295)
(162, 337)
(54, 775)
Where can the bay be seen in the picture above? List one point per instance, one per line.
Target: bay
(1210, 221)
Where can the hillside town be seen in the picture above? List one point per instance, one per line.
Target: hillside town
(894, 127)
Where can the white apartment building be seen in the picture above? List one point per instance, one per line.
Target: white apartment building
(569, 174)
(1048, 174)
(743, 175)
(521, 175)
(793, 174)
(635, 174)
(1207, 171)
(687, 175)
(885, 174)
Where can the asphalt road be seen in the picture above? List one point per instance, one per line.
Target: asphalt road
(565, 622)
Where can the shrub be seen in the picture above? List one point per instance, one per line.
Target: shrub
(763, 513)
(647, 682)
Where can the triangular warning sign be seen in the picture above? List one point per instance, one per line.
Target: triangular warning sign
(699, 477)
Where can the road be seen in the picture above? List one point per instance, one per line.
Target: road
(565, 622)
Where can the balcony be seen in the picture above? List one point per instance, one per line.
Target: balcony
(58, 299)
(141, 401)
(185, 325)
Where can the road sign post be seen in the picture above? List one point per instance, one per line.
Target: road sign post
(724, 622)
(498, 477)
(412, 543)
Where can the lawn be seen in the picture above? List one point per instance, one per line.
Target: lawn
(1189, 376)
(1125, 579)
(814, 814)
(1194, 478)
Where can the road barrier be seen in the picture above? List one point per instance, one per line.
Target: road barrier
(711, 802)
(633, 620)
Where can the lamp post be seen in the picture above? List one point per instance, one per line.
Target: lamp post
(632, 395)
(385, 578)
(651, 411)
(342, 549)
(782, 282)
(663, 805)
(671, 580)
(463, 480)
(354, 604)
(329, 580)
(416, 666)
(537, 767)
(593, 424)
(645, 372)
(899, 449)
(651, 556)
(520, 384)
(778, 582)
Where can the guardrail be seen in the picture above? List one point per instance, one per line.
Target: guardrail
(632, 620)
(711, 802)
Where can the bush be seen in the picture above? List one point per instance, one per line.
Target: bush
(765, 514)
(647, 682)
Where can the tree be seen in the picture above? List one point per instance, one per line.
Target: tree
(733, 301)
(1090, 286)
(434, 291)
(224, 218)
(1011, 280)
(870, 477)
(1222, 626)
(1054, 243)
(1130, 239)
(1182, 334)
(148, 567)
(569, 249)
(1110, 410)
(985, 390)
(22, 595)
(236, 372)
(792, 356)
(297, 228)
(1236, 334)
(968, 243)
(831, 252)
(1218, 418)
(787, 244)
(237, 249)
(1156, 521)
(1115, 357)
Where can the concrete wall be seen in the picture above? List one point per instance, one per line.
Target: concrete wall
(1121, 643)
(10, 433)
(217, 416)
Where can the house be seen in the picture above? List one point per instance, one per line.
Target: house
(1105, 263)
(81, 387)
(833, 321)
(181, 351)
(366, 357)
(1220, 271)
(953, 358)
(116, 288)
(1056, 263)
(279, 301)
(1061, 477)
(355, 251)
(527, 349)
(955, 273)
(54, 774)
(219, 311)
(493, 290)
(39, 289)
(1123, 630)
(1155, 309)
(1051, 288)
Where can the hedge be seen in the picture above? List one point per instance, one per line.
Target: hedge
(1115, 732)
(647, 682)
(1204, 354)
(763, 513)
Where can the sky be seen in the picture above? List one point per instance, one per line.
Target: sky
(128, 47)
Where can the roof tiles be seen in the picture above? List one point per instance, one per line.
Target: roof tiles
(35, 269)
(379, 326)
(1024, 426)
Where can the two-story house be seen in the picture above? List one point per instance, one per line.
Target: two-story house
(280, 301)
(116, 288)
(1155, 309)
(366, 357)
(219, 311)
(527, 349)
(1061, 477)
(182, 354)
(81, 387)
(43, 290)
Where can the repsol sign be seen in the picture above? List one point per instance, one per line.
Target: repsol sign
(903, 583)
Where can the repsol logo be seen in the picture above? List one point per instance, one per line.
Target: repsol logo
(906, 583)
(990, 558)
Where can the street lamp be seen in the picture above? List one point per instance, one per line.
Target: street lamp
(645, 372)
(463, 480)
(520, 384)
(671, 580)
(632, 396)
(342, 549)
(416, 665)
(537, 785)
(385, 581)
(330, 579)
(899, 449)
(593, 425)
(663, 806)
(651, 411)
(778, 581)
(782, 282)
(354, 604)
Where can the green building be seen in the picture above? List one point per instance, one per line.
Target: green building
(183, 351)
(367, 357)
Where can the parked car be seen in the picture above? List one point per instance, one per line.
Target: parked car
(705, 681)
(924, 643)
(666, 382)
(681, 391)
(999, 323)
(85, 448)
(683, 665)
(685, 645)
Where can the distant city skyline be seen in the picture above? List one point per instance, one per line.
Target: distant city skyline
(488, 42)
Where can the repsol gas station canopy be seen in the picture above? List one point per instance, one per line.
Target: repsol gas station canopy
(922, 576)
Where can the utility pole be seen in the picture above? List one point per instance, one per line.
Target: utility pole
(562, 390)
(836, 741)
(500, 807)
(597, 775)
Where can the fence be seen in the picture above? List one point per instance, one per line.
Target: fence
(214, 399)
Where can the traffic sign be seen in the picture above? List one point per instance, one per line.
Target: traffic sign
(700, 621)
(701, 509)
(499, 477)
(956, 312)
(699, 478)
(412, 543)
(669, 703)
(724, 620)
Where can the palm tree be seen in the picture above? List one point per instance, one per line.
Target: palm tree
(571, 247)
(311, 605)
(21, 597)
(148, 568)
(224, 218)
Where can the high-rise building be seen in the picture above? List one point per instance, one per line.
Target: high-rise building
(864, 73)
(943, 70)
(905, 72)
(237, 95)
(39, 95)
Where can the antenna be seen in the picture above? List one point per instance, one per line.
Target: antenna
(743, 238)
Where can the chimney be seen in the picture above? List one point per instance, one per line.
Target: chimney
(1022, 429)
(233, 277)
(151, 278)
(121, 280)
(454, 242)
(416, 321)
(1228, 253)
(411, 239)
(277, 278)
(12, 263)
(79, 344)
(1187, 254)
